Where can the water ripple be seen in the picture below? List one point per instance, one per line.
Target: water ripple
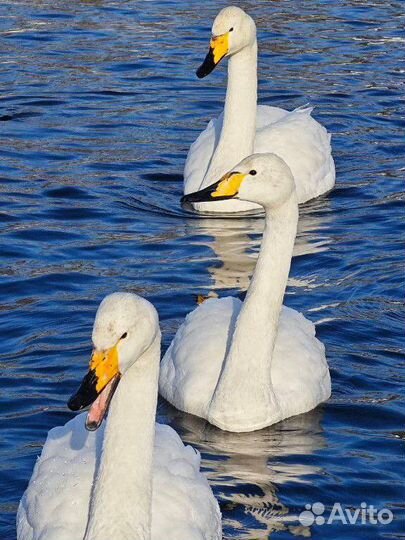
(99, 105)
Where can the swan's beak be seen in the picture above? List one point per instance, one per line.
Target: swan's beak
(97, 387)
(226, 188)
(219, 47)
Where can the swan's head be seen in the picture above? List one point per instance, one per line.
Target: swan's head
(232, 31)
(125, 326)
(264, 179)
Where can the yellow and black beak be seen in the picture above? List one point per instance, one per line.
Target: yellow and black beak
(226, 188)
(97, 387)
(219, 47)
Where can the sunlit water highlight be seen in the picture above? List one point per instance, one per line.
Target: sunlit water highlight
(99, 105)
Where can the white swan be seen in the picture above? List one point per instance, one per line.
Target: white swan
(244, 366)
(132, 479)
(244, 127)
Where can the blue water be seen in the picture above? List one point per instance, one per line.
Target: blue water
(98, 106)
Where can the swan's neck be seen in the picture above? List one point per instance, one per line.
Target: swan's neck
(244, 398)
(239, 122)
(121, 502)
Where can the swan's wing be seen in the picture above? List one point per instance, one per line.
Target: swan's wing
(299, 370)
(295, 136)
(56, 501)
(199, 155)
(183, 505)
(191, 366)
(267, 115)
(303, 143)
(202, 149)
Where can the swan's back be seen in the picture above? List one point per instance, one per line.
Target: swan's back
(200, 154)
(295, 136)
(302, 143)
(56, 502)
(201, 151)
(300, 372)
(192, 364)
(183, 505)
(190, 369)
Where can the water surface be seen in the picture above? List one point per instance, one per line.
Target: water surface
(99, 104)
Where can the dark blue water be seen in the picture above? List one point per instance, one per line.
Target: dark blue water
(99, 104)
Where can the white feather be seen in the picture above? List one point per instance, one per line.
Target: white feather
(295, 136)
(192, 364)
(55, 505)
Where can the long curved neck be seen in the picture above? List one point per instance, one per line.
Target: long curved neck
(244, 398)
(239, 122)
(120, 507)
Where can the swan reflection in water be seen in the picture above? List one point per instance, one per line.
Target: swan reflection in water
(236, 243)
(246, 471)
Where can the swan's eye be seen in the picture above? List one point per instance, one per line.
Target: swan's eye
(124, 335)
(252, 172)
(231, 29)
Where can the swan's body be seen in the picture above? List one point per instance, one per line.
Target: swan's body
(245, 128)
(131, 479)
(56, 503)
(244, 366)
(192, 365)
(295, 136)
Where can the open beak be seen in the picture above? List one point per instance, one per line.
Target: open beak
(226, 188)
(219, 47)
(97, 387)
